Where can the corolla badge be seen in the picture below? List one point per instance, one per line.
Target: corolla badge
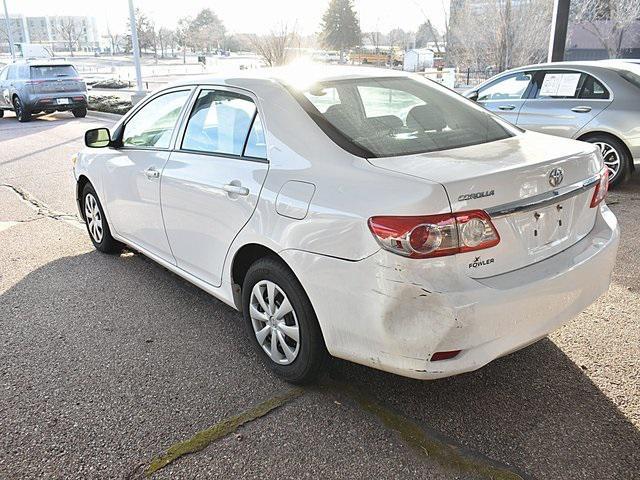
(555, 177)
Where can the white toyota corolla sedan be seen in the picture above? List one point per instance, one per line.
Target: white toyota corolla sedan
(363, 214)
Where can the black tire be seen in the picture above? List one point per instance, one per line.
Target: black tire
(312, 357)
(105, 242)
(1, 113)
(22, 113)
(624, 171)
(80, 112)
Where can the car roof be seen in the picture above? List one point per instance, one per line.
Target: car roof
(586, 64)
(294, 75)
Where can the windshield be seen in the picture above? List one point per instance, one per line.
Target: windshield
(384, 117)
(53, 71)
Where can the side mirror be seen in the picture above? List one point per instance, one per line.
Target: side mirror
(97, 138)
(473, 95)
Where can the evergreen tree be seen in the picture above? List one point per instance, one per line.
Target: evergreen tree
(340, 27)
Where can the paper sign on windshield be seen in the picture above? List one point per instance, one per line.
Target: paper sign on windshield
(559, 85)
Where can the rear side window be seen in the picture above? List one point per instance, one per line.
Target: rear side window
(593, 89)
(53, 71)
(152, 126)
(559, 85)
(256, 144)
(219, 123)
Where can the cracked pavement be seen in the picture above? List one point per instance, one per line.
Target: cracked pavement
(106, 362)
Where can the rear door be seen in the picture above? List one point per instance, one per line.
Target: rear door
(562, 102)
(212, 181)
(505, 95)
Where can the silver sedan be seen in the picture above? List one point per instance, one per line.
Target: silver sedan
(598, 102)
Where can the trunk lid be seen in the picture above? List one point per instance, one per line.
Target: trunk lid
(492, 176)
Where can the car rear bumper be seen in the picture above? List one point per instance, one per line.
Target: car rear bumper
(51, 101)
(393, 313)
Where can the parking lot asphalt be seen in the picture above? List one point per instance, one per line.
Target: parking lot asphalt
(113, 367)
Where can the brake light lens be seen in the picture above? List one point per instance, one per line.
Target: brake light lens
(435, 235)
(602, 187)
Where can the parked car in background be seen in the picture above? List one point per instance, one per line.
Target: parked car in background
(597, 102)
(362, 213)
(42, 86)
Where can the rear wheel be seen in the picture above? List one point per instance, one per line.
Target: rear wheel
(1, 113)
(97, 225)
(615, 155)
(282, 323)
(22, 113)
(80, 112)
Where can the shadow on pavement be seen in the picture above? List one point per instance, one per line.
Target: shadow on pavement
(86, 334)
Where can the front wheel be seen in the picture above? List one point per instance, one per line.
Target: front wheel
(97, 225)
(615, 156)
(80, 112)
(1, 113)
(22, 113)
(282, 323)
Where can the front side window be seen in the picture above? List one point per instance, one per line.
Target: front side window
(512, 87)
(383, 117)
(152, 126)
(219, 123)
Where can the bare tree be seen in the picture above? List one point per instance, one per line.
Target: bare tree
(518, 35)
(70, 32)
(272, 48)
(607, 20)
(114, 40)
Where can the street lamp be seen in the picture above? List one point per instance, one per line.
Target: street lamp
(140, 93)
(6, 19)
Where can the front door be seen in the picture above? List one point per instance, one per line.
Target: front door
(562, 102)
(132, 173)
(212, 181)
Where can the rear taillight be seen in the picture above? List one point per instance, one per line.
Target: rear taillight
(602, 187)
(435, 235)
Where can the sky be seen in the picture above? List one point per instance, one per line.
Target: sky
(244, 16)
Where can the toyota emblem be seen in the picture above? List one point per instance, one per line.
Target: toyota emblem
(555, 177)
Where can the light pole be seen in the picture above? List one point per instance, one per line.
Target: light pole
(136, 97)
(6, 19)
(559, 25)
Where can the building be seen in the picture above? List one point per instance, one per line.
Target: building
(583, 42)
(55, 32)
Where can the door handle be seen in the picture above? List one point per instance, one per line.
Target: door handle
(151, 172)
(236, 189)
(507, 107)
(583, 109)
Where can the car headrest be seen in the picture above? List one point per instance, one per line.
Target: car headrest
(425, 117)
(388, 122)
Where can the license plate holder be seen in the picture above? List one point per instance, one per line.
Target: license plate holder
(62, 101)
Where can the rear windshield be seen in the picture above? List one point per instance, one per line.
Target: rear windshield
(384, 117)
(53, 71)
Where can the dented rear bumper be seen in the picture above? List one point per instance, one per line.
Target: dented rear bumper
(394, 313)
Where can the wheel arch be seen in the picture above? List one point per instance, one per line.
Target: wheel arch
(592, 133)
(242, 260)
(80, 184)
